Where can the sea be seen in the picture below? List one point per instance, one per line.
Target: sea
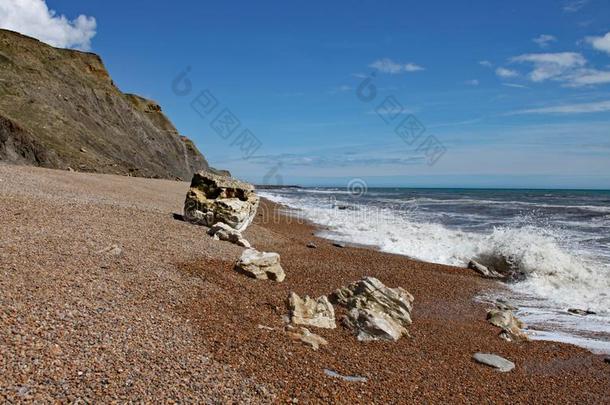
(557, 240)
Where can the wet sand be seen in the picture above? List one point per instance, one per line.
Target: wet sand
(168, 319)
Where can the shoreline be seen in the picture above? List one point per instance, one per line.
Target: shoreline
(169, 319)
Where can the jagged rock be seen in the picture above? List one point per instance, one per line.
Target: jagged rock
(376, 312)
(213, 198)
(511, 326)
(221, 231)
(260, 265)
(495, 361)
(483, 270)
(308, 338)
(317, 312)
(312, 245)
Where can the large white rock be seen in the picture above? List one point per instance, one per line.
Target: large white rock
(317, 312)
(213, 198)
(376, 312)
(260, 265)
(222, 231)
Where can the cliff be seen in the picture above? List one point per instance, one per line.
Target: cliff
(60, 109)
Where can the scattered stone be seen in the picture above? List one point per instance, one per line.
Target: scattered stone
(495, 361)
(338, 244)
(311, 245)
(607, 360)
(582, 312)
(113, 250)
(350, 378)
(310, 339)
(511, 325)
(83, 150)
(317, 312)
(483, 270)
(265, 327)
(222, 231)
(260, 265)
(213, 198)
(376, 312)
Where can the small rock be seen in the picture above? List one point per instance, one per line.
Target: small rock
(483, 270)
(222, 231)
(607, 360)
(113, 250)
(265, 327)
(582, 312)
(495, 361)
(311, 245)
(83, 150)
(317, 312)
(261, 265)
(511, 325)
(338, 244)
(376, 312)
(350, 378)
(308, 338)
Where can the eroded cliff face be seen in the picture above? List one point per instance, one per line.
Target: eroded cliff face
(60, 109)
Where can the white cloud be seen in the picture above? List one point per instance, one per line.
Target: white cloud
(387, 65)
(551, 65)
(515, 85)
(544, 40)
(485, 63)
(33, 18)
(600, 106)
(573, 6)
(587, 77)
(505, 73)
(600, 43)
(473, 82)
(412, 67)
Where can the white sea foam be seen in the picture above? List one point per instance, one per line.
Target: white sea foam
(560, 273)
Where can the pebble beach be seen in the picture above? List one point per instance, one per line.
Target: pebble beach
(107, 295)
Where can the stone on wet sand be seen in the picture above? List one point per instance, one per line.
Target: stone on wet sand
(222, 231)
(511, 325)
(261, 265)
(495, 361)
(583, 312)
(213, 198)
(308, 311)
(376, 312)
(484, 270)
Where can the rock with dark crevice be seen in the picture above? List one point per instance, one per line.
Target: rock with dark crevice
(213, 198)
(375, 312)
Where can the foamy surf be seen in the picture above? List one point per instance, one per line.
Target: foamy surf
(561, 270)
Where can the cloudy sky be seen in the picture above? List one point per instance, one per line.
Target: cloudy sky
(489, 94)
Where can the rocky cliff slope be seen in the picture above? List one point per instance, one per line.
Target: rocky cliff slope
(60, 109)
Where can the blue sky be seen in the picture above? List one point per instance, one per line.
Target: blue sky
(515, 93)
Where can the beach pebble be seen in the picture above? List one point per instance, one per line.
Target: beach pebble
(495, 361)
(311, 245)
(338, 244)
(349, 378)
